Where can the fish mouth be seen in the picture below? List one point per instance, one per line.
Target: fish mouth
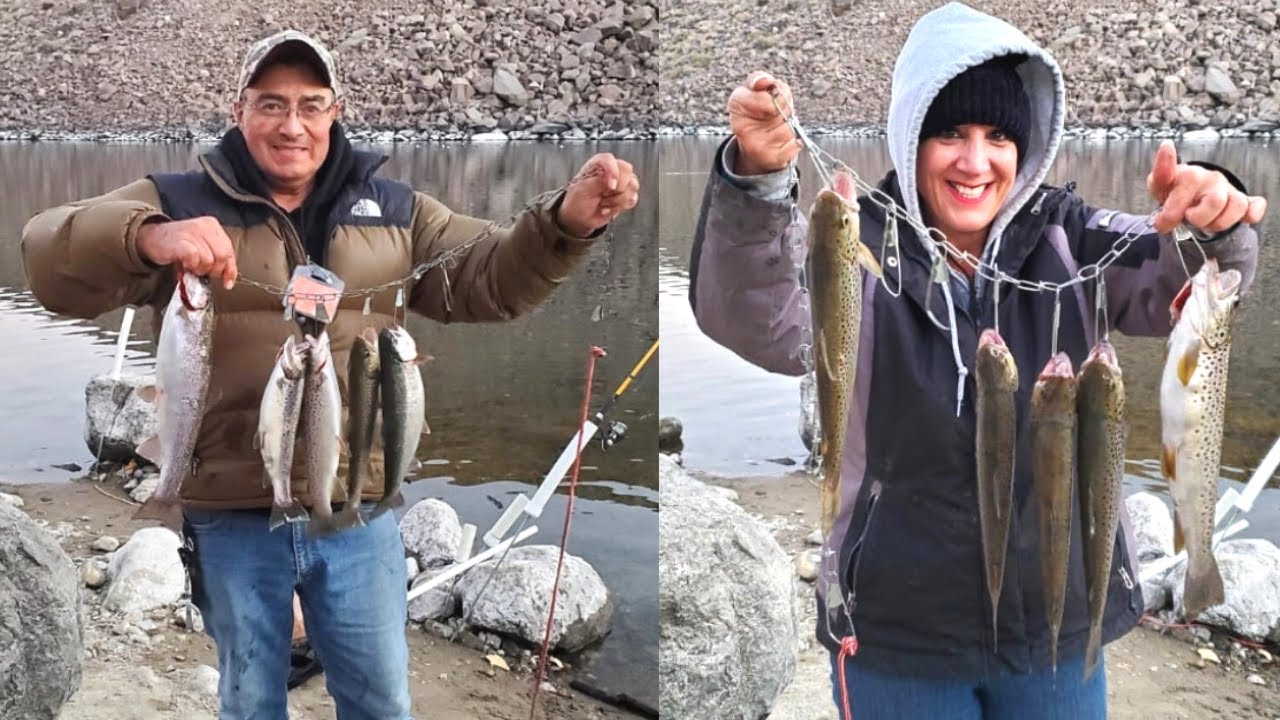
(369, 336)
(1228, 283)
(1104, 352)
(1059, 366)
(193, 301)
(843, 186)
(991, 336)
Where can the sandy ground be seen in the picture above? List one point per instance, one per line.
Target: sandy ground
(160, 680)
(1151, 675)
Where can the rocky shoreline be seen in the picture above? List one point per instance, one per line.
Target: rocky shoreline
(160, 69)
(1142, 65)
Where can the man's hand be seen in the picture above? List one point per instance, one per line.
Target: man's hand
(605, 187)
(199, 246)
(1200, 196)
(765, 141)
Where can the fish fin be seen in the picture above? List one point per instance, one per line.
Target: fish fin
(386, 504)
(1203, 588)
(151, 449)
(422, 359)
(426, 429)
(257, 441)
(149, 393)
(167, 510)
(291, 513)
(348, 518)
(1169, 463)
(1188, 362)
(868, 261)
(1092, 650)
(1178, 541)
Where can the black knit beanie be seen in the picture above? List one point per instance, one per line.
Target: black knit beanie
(986, 94)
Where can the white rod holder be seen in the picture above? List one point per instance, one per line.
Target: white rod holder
(121, 341)
(1265, 470)
(506, 520)
(464, 545)
(560, 469)
(460, 568)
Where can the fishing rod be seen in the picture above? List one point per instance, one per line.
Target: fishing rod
(523, 507)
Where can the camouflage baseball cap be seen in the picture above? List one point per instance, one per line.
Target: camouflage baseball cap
(265, 48)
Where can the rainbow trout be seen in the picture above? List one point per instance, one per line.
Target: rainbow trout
(996, 375)
(1101, 435)
(320, 431)
(1193, 396)
(835, 262)
(277, 430)
(181, 393)
(362, 416)
(1053, 437)
(403, 411)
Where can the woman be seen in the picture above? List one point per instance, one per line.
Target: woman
(974, 124)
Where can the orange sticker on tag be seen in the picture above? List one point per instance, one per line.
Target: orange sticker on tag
(314, 292)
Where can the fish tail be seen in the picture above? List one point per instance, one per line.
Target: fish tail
(386, 504)
(291, 513)
(167, 510)
(349, 517)
(1203, 587)
(1091, 650)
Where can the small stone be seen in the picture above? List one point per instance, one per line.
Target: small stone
(806, 568)
(1256, 679)
(814, 538)
(204, 679)
(93, 575)
(13, 500)
(145, 489)
(106, 544)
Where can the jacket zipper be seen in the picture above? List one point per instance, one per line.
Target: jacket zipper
(294, 250)
(855, 553)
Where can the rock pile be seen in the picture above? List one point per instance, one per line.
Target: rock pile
(1176, 65)
(128, 67)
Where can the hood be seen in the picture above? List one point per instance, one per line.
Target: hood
(945, 43)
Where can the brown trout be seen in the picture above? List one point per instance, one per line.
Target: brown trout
(180, 394)
(996, 375)
(835, 262)
(1193, 396)
(277, 430)
(1101, 435)
(1053, 437)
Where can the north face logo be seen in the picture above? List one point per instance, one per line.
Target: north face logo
(366, 208)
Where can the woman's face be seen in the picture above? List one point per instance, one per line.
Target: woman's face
(964, 175)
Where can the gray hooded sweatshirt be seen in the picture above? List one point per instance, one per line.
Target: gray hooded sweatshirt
(902, 569)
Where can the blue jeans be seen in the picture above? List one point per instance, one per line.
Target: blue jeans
(352, 587)
(1036, 696)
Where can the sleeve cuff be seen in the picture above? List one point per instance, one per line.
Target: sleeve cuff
(775, 186)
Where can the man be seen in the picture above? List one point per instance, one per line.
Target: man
(284, 188)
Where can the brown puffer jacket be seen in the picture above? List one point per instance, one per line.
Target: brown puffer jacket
(81, 260)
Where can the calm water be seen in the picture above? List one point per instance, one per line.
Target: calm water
(502, 399)
(739, 419)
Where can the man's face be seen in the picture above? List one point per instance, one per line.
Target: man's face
(287, 137)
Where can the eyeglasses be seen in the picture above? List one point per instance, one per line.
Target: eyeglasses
(308, 110)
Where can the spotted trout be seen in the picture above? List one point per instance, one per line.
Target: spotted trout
(1053, 437)
(996, 375)
(836, 259)
(403, 411)
(320, 431)
(180, 394)
(1100, 440)
(362, 416)
(277, 430)
(1193, 396)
